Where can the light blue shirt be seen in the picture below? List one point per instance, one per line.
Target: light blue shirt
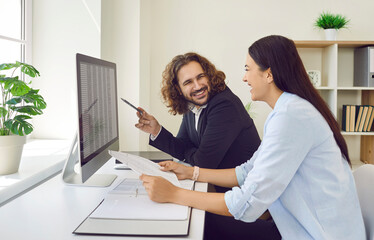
(300, 175)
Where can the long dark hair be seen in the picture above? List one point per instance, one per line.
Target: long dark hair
(280, 55)
(170, 86)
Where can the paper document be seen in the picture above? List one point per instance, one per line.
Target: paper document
(129, 200)
(144, 166)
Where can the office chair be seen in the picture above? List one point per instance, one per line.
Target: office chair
(364, 177)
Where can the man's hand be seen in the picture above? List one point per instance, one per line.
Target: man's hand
(147, 123)
(182, 171)
(158, 188)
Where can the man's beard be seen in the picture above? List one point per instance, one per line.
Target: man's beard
(196, 103)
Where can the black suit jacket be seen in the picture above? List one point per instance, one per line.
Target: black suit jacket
(226, 135)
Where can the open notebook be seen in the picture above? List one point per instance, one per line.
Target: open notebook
(127, 211)
(129, 200)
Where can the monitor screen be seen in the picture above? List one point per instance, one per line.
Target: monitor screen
(98, 118)
(97, 109)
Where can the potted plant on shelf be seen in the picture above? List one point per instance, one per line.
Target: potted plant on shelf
(18, 103)
(331, 23)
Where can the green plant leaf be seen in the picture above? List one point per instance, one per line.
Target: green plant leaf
(33, 97)
(328, 20)
(4, 131)
(30, 110)
(29, 70)
(19, 126)
(7, 66)
(19, 100)
(14, 101)
(3, 111)
(8, 80)
(17, 87)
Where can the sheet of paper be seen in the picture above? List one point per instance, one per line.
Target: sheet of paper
(140, 207)
(129, 200)
(144, 166)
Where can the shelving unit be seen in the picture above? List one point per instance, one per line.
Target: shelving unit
(335, 61)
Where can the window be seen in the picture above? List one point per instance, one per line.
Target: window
(15, 45)
(15, 31)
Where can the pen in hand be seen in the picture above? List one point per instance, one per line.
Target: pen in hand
(132, 106)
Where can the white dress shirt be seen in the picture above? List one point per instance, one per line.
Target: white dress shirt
(300, 175)
(195, 110)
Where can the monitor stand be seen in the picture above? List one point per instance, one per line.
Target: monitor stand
(71, 177)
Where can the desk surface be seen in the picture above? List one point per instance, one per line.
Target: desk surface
(53, 210)
(41, 159)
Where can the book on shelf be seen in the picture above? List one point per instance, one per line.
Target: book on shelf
(359, 115)
(362, 120)
(357, 118)
(367, 119)
(370, 125)
(352, 119)
(345, 118)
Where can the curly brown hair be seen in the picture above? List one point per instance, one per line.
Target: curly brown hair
(170, 87)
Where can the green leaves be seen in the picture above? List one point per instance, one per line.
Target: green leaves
(16, 87)
(30, 110)
(25, 68)
(31, 97)
(29, 70)
(19, 100)
(3, 111)
(19, 126)
(6, 66)
(327, 20)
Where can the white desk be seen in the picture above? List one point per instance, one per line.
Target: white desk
(53, 210)
(41, 159)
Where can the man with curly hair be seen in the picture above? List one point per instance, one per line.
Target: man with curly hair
(216, 130)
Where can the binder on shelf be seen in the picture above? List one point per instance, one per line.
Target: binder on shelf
(364, 67)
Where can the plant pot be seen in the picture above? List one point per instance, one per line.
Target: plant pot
(330, 34)
(10, 153)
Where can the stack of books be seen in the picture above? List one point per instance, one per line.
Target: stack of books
(357, 118)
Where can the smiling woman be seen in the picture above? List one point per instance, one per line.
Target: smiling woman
(302, 159)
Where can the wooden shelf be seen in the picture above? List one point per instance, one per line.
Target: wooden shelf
(335, 60)
(357, 133)
(356, 88)
(323, 44)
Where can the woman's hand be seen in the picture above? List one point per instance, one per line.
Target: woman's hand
(159, 189)
(182, 171)
(147, 123)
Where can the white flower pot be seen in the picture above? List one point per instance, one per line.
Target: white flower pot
(330, 34)
(10, 153)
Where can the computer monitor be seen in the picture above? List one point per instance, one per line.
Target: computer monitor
(97, 122)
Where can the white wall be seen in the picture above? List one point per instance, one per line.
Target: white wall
(62, 28)
(121, 44)
(143, 36)
(223, 30)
